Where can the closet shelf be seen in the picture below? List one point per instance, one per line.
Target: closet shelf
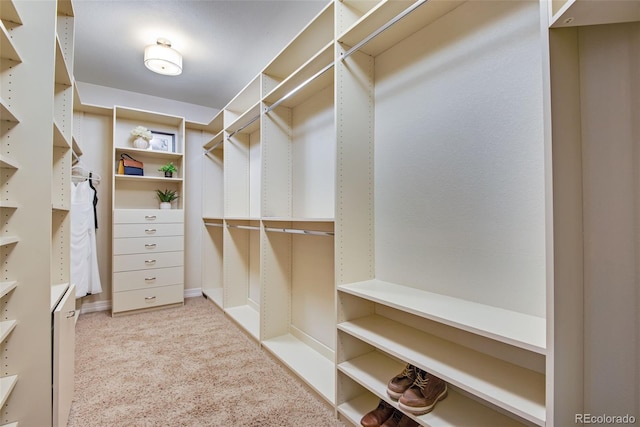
(385, 11)
(296, 219)
(6, 287)
(167, 155)
(8, 163)
(5, 112)
(581, 12)
(6, 387)
(6, 327)
(300, 231)
(373, 370)
(247, 122)
(510, 327)
(59, 140)
(57, 292)
(513, 388)
(64, 207)
(214, 294)
(8, 240)
(247, 318)
(304, 76)
(146, 178)
(215, 142)
(62, 73)
(316, 370)
(7, 48)
(9, 204)
(8, 12)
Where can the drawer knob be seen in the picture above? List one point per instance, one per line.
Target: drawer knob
(149, 278)
(150, 261)
(150, 230)
(149, 299)
(150, 245)
(150, 217)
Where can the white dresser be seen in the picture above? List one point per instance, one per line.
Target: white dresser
(148, 258)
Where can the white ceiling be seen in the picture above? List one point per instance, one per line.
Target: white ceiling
(224, 43)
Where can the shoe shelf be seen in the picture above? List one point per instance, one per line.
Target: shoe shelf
(247, 316)
(513, 328)
(373, 370)
(515, 389)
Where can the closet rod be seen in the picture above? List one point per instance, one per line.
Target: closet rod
(299, 87)
(244, 227)
(299, 231)
(213, 224)
(377, 32)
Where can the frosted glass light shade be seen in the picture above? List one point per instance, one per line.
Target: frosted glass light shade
(162, 59)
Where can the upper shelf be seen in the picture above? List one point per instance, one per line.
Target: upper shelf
(510, 327)
(385, 11)
(572, 13)
(7, 49)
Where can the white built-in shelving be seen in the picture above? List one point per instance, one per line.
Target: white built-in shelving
(386, 191)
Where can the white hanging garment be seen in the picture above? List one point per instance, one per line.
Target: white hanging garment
(84, 258)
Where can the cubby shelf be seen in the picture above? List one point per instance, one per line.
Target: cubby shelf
(59, 138)
(6, 112)
(8, 163)
(8, 12)
(247, 317)
(137, 178)
(316, 370)
(517, 329)
(149, 153)
(8, 240)
(515, 389)
(6, 327)
(374, 369)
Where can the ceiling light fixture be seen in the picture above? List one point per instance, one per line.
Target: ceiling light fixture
(162, 59)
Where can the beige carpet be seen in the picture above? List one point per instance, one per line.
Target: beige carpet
(188, 366)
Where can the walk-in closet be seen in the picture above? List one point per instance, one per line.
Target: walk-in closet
(443, 192)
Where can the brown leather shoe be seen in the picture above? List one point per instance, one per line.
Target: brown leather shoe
(378, 416)
(398, 419)
(401, 382)
(422, 396)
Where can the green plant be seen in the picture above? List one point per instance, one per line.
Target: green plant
(169, 167)
(167, 195)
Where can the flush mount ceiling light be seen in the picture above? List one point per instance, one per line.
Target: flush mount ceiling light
(162, 59)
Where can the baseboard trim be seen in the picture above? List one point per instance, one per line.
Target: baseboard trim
(90, 307)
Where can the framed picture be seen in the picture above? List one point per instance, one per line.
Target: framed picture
(162, 141)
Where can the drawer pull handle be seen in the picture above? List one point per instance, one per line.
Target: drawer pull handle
(71, 313)
(150, 245)
(148, 299)
(149, 278)
(150, 217)
(150, 230)
(150, 261)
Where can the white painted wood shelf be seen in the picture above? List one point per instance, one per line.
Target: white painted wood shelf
(57, 292)
(589, 12)
(8, 240)
(515, 389)
(317, 371)
(6, 327)
(6, 112)
(373, 371)
(247, 317)
(8, 162)
(214, 294)
(7, 46)
(513, 328)
(6, 387)
(6, 287)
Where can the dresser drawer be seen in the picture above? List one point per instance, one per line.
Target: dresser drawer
(144, 230)
(137, 245)
(147, 216)
(147, 261)
(143, 279)
(147, 298)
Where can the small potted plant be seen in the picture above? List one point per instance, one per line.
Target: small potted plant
(142, 136)
(168, 170)
(166, 197)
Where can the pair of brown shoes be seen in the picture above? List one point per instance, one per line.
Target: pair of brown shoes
(417, 391)
(386, 415)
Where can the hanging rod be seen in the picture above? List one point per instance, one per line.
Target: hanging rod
(213, 224)
(244, 227)
(299, 231)
(383, 28)
(300, 87)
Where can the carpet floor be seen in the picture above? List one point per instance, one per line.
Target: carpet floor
(186, 366)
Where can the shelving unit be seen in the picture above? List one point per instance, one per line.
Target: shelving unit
(393, 186)
(148, 243)
(36, 45)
